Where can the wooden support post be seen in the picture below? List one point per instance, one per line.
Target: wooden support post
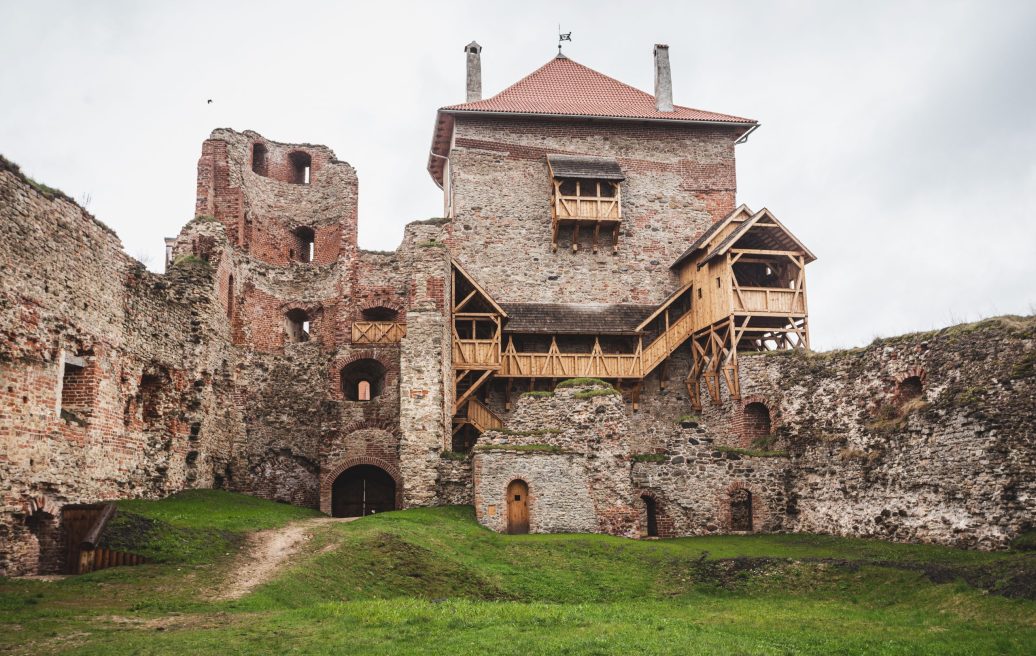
(507, 394)
(575, 237)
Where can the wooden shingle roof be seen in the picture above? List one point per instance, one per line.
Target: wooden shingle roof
(579, 166)
(575, 319)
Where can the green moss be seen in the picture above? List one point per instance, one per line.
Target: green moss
(431, 243)
(529, 433)
(1025, 542)
(530, 448)
(190, 261)
(650, 457)
(583, 382)
(591, 393)
(454, 455)
(890, 418)
(1025, 367)
(751, 453)
(538, 394)
(689, 419)
(971, 396)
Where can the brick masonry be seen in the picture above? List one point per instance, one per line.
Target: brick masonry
(115, 382)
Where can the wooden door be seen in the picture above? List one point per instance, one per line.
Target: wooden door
(517, 507)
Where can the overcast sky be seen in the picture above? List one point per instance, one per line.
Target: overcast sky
(898, 138)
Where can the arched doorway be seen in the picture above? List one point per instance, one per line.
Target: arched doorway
(652, 516)
(741, 510)
(518, 507)
(363, 490)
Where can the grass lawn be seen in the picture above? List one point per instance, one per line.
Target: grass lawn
(432, 581)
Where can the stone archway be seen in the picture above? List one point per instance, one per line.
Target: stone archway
(327, 481)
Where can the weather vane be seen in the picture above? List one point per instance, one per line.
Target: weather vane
(567, 36)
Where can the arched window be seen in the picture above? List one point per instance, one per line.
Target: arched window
(910, 388)
(755, 423)
(652, 515)
(363, 380)
(259, 159)
(304, 238)
(297, 325)
(300, 167)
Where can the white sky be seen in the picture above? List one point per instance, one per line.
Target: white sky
(898, 138)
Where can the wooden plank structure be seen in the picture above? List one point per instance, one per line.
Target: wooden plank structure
(378, 332)
(585, 193)
(742, 287)
(748, 271)
(84, 526)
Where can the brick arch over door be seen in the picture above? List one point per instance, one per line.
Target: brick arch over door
(328, 480)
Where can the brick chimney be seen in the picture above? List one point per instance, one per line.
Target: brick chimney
(474, 71)
(663, 79)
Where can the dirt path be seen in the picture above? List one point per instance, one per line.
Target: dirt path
(265, 552)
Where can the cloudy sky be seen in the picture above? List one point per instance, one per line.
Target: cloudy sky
(898, 138)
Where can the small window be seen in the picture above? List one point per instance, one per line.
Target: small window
(910, 388)
(300, 167)
(305, 240)
(699, 292)
(77, 388)
(298, 326)
(259, 159)
(717, 283)
(230, 297)
(741, 510)
(363, 380)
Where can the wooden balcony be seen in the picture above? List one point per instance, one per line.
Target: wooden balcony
(378, 332)
(570, 365)
(767, 299)
(476, 353)
(588, 208)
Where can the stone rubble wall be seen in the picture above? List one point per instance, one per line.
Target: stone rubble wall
(144, 418)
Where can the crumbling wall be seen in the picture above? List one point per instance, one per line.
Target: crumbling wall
(956, 465)
(109, 377)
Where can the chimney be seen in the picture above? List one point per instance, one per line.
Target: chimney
(663, 79)
(474, 71)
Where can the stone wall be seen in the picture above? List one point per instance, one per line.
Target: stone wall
(110, 386)
(955, 465)
(572, 449)
(680, 179)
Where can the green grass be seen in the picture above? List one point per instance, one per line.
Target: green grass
(650, 457)
(752, 453)
(532, 448)
(583, 382)
(432, 581)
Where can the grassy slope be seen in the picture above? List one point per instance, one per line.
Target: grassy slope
(432, 581)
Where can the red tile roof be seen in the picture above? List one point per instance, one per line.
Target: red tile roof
(563, 87)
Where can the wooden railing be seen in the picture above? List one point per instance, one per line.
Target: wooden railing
(591, 208)
(569, 365)
(476, 353)
(378, 332)
(768, 299)
(84, 526)
(667, 342)
(482, 418)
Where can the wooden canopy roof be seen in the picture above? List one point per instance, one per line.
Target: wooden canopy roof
(575, 319)
(775, 236)
(581, 166)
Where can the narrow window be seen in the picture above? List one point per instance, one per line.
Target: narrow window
(652, 516)
(363, 380)
(230, 297)
(297, 326)
(363, 390)
(755, 422)
(76, 389)
(305, 238)
(259, 159)
(717, 283)
(741, 510)
(300, 167)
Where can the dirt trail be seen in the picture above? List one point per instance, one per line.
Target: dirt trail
(265, 552)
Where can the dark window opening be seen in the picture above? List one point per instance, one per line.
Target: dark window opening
(652, 518)
(305, 239)
(363, 380)
(741, 510)
(755, 422)
(230, 297)
(380, 314)
(300, 167)
(151, 395)
(910, 388)
(297, 326)
(259, 159)
(363, 490)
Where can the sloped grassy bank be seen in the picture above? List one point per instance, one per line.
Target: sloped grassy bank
(432, 581)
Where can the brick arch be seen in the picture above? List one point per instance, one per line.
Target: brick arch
(771, 408)
(313, 309)
(328, 479)
(664, 523)
(916, 370)
(381, 301)
(389, 425)
(385, 359)
(759, 512)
